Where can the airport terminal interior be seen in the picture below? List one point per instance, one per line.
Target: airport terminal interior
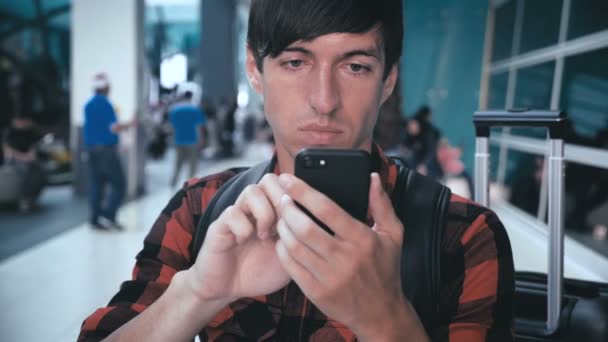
(459, 57)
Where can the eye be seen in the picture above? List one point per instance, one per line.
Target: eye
(356, 67)
(295, 63)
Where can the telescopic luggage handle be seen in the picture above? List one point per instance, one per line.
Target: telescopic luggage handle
(555, 122)
(484, 120)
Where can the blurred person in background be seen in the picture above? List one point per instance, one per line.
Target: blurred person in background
(188, 123)
(422, 139)
(107, 183)
(211, 142)
(19, 147)
(587, 186)
(226, 126)
(420, 145)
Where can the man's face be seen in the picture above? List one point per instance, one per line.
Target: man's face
(324, 93)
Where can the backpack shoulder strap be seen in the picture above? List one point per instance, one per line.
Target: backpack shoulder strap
(421, 204)
(223, 198)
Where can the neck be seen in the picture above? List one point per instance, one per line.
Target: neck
(285, 159)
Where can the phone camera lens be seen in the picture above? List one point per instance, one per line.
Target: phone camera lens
(308, 162)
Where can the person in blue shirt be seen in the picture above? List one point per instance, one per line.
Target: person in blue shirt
(107, 184)
(188, 123)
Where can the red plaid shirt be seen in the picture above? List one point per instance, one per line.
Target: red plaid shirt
(475, 296)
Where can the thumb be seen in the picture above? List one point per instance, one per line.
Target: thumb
(381, 209)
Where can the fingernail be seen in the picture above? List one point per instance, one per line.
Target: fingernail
(377, 180)
(285, 199)
(280, 248)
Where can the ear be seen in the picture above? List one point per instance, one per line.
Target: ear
(389, 83)
(253, 73)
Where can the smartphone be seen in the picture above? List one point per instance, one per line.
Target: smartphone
(343, 175)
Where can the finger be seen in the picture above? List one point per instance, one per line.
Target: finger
(220, 242)
(270, 185)
(304, 278)
(253, 202)
(273, 190)
(381, 209)
(306, 230)
(238, 224)
(306, 257)
(323, 208)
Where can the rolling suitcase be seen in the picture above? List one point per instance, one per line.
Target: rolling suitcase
(547, 307)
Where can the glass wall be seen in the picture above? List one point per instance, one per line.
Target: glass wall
(173, 28)
(587, 17)
(540, 24)
(553, 54)
(503, 30)
(34, 62)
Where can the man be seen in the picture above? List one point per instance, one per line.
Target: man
(266, 271)
(106, 177)
(188, 123)
(422, 139)
(20, 142)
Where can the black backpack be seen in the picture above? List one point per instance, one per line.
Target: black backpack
(419, 201)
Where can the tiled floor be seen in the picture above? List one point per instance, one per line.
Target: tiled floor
(47, 291)
(58, 210)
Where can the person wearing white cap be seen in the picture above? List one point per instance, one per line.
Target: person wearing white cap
(107, 182)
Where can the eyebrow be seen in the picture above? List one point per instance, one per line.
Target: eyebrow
(367, 53)
(361, 52)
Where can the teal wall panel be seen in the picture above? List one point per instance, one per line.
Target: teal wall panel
(441, 64)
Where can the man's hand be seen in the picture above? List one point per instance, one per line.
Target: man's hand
(119, 127)
(353, 276)
(238, 257)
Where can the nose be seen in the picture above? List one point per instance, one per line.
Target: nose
(324, 92)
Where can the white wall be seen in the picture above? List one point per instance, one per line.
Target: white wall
(105, 39)
(107, 36)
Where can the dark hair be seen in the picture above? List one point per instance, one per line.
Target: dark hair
(423, 113)
(274, 24)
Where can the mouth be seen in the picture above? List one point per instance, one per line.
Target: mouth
(320, 128)
(315, 134)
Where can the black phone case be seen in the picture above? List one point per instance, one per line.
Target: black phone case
(344, 178)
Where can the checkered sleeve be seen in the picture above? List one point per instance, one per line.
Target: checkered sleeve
(166, 251)
(478, 284)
